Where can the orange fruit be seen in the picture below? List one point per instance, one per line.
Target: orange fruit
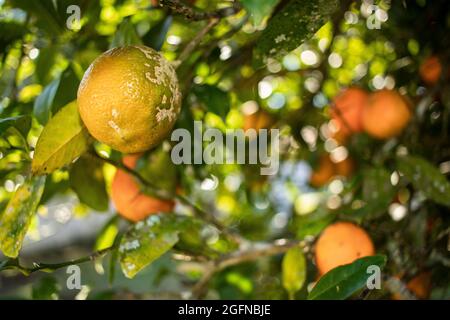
(341, 243)
(430, 70)
(128, 197)
(129, 98)
(420, 285)
(327, 169)
(345, 167)
(324, 172)
(258, 120)
(348, 108)
(386, 114)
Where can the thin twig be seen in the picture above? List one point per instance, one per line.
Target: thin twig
(190, 47)
(253, 252)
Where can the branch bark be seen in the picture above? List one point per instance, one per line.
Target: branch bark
(193, 14)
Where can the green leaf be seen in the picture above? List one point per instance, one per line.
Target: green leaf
(57, 94)
(43, 103)
(155, 37)
(44, 63)
(425, 177)
(259, 9)
(147, 241)
(45, 13)
(88, 182)
(377, 193)
(341, 282)
(46, 289)
(214, 99)
(63, 140)
(108, 234)
(10, 31)
(126, 35)
(294, 270)
(298, 21)
(16, 218)
(21, 123)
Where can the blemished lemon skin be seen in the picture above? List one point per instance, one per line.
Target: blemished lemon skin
(341, 243)
(129, 98)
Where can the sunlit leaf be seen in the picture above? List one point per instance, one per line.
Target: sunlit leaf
(294, 270)
(63, 139)
(147, 241)
(341, 282)
(426, 178)
(259, 9)
(108, 233)
(16, 218)
(298, 21)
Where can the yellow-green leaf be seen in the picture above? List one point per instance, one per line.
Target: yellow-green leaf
(294, 270)
(63, 139)
(16, 218)
(147, 241)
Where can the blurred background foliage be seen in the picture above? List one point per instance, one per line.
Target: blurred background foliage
(42, 62)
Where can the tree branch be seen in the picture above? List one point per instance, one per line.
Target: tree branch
(193, 14)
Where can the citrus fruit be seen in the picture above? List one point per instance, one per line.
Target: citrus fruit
(347, 109)
(327, 169)
(128, 197)
(386, 114)
(341, 243)
(430, 70)
(129, 98)
(324, 172)
(257, 120)
(420, 285)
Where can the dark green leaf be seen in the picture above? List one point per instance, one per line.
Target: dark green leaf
(63, 140)
(259, 9)
(155, 37)
(125, 35)
(44, 63)
(377, 193)
(16, 218)
(298, 21)
(56, 94)
(46, 289)
(214, 99)
(21, 123)
(341, 282)
(425, 177)
(10, 31)
(86, 179)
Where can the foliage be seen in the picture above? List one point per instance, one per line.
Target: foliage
(233, 233)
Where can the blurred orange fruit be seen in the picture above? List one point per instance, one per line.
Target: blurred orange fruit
(430, 70)
(129, 98)
(341, 243)
(128, 197)
(258, 120)
(420, 285)
(386, 114)
(348, 108)
(324, 172)
(327, 169)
